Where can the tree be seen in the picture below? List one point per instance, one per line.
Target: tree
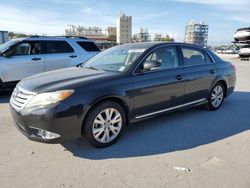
(16, 35)
(11, 35)
(167, 39)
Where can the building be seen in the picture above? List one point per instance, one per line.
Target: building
(3, 36)
(111, 34)
(111, 31)
(124, 29)
(103, 40)
(84, 31)
(158, 37)
(196, 33)
(143, 36)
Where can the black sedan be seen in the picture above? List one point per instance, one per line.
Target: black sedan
(121, 85)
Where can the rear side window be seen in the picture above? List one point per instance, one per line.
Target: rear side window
(193, 56)
(53, 47)
(89, 46)
(208, 58)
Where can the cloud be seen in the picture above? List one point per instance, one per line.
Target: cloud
(72, 2)
(33, 21)
(39, 21)
(242, 19)
(151, 16)
(240, 5)
(88, 9)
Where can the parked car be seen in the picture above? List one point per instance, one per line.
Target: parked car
(242, 34)
(23, 57)
(245, 51)
(231, 51)
(121, 85)
(219, 51)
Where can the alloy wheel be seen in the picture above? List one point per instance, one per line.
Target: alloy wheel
(217, 96)
(107, 125)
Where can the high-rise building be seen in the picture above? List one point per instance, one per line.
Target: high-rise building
(196, 33)
(124, 29)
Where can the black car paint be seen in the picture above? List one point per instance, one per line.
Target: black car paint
(139, 93)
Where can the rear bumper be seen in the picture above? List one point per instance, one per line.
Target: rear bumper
(61, 119)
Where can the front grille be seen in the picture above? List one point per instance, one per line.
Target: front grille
(20, 97)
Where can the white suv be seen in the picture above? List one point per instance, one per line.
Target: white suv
(23, 57)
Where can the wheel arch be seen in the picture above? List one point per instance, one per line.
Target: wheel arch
(223, 82)
(114, 98)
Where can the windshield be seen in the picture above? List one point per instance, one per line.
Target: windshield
(115, 59)
(6, 45)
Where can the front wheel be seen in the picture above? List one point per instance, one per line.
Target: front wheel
(104, 124)
(216, 97)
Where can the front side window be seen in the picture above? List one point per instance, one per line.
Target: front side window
(23, 48)
(166, 57)
(54, 47)
(116, 59)
(27, 48)
(193, 57)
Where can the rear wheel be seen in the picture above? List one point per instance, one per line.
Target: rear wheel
(104, 124)
(216, 97)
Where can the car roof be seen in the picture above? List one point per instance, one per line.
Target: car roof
(57, 38)
(147, 45)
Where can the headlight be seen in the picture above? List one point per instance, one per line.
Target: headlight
(45, 99)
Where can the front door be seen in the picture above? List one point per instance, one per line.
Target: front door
(25, 59)
(157, 90)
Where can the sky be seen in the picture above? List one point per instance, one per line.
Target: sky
(52, 17)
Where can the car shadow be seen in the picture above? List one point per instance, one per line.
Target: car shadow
(5, 96)
(177, 131)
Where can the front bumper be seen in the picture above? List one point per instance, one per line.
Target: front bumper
(60, 119)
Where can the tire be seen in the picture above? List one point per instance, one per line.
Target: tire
(104, 124)
(216, 97)
(1, 86)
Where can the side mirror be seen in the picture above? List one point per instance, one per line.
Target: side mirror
(151, 65)
(7, 53)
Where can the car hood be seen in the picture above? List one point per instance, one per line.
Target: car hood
(62, 79)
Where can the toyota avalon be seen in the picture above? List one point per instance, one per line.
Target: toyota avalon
(119, 86)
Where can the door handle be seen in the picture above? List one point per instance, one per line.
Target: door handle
(36, 59)
(73, 56)
(178, 77)
(212, 71)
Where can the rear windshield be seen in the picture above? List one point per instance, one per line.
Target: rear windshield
(89, 46)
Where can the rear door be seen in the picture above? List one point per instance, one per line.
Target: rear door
(87, 50)
(199, 71)
(26, 60)
(160, 89)
(58, 54)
